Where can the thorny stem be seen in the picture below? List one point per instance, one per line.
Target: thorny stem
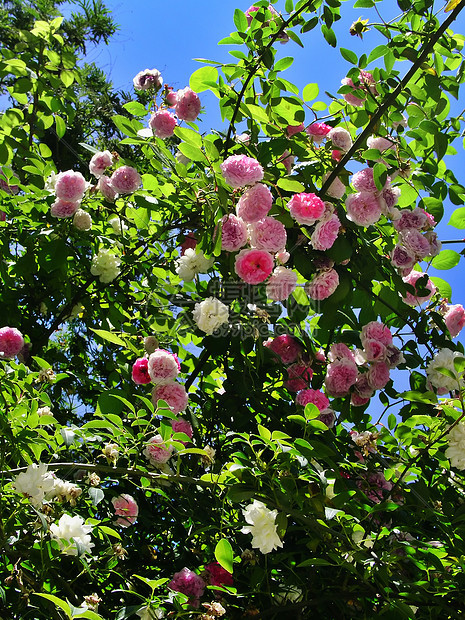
(390, 99)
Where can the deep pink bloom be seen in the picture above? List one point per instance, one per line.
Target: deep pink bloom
(162, 123)
(287, 160)
(318, 132)
(374, 486)
(374, 351)
(325, 233)
(323, 285)
(173, 394)
(340, 377)
(218, 576)
(240, 171)
(163, 367)
(281, 284)
(292, 130)
(300, 376)
(100, 162)
(336, 155)
(187, 104)
(306, 208)
(190, 584)
(170, 96)
(358, 401)
(363, 208)
(413, 299)
(70, 186)
(268, 234)
(286, 348)
(149, 78)
(125, 180)
(157, 452)
(182, 426)
(253, 266)
(375, 330)
(255, 203)
(378, 375)
(105, 187)
(63, 208)
(140, 371)
(11, 342)
(126, 509)
(233, 233)
(316, 397)
(189, 242)
(454, 319)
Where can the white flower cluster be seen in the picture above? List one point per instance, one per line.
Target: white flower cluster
(39, 484)
(119, 227)
(444, 359)
(192, 263)
(210, 314)
(456, 450)
(262, 526)
(105, 265)
(72, 534)
(82, 220)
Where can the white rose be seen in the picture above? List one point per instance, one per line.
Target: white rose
(72, 530)
(192, 263)
(34, 483)
(456, 450)
(210, 314)
(119, 227)
(106, 266)
(82, 220)
(444, 358)
(262, 526)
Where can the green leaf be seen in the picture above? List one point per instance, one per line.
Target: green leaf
(109, 531)
(290, 185)
(447, 259)
(444, 288)
(58, 602)
(420, 397)
(109, 336)
(60, 126)
(135, 108)
(376, 53)
(191, 152)
(189, 136)
(457, 218)
(310, 92)
(224, 555)
(240, 21)
(380, 176)
(451, 5)
(329, 35)
(349, 55)
(283, 64)
(200, 79)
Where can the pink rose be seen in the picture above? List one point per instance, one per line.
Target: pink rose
(363, 208)
(126, 509)
(411, 219)
(300, 376)
(70, 186)
(163, 367)
(316, 397)
(340, 138)
(292, 130)
(240, 171)
(100, 162)
(363, 388)
(190, 584)
(105, 187)
(340, 377)
(157, 452)
(187, 104)
(140, 371)
(11, 342)
(64, 208)
(253, 266)
(173, 394)
(189, 242)
(282, 283)
(434, 244)
(415, 242)
(285, 347)
(255, 203)
(162, 123)
(403, 258)
(233, 233)
(374, 351)
(254, 9)
(318, 132)
(149, 78)
(288, 161)
(340, 351)
(328, 417)
(358, 401)
(379, 143)
(375, 330)
(268, 234)
(323, 285)
(378, 375)
(325, 233)
(125, 180)
(182, 426)
(337, 189)
(306, 208)
(363, 181)
(351, 98)
(454, 319)
(413, 299)
(218, 576)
